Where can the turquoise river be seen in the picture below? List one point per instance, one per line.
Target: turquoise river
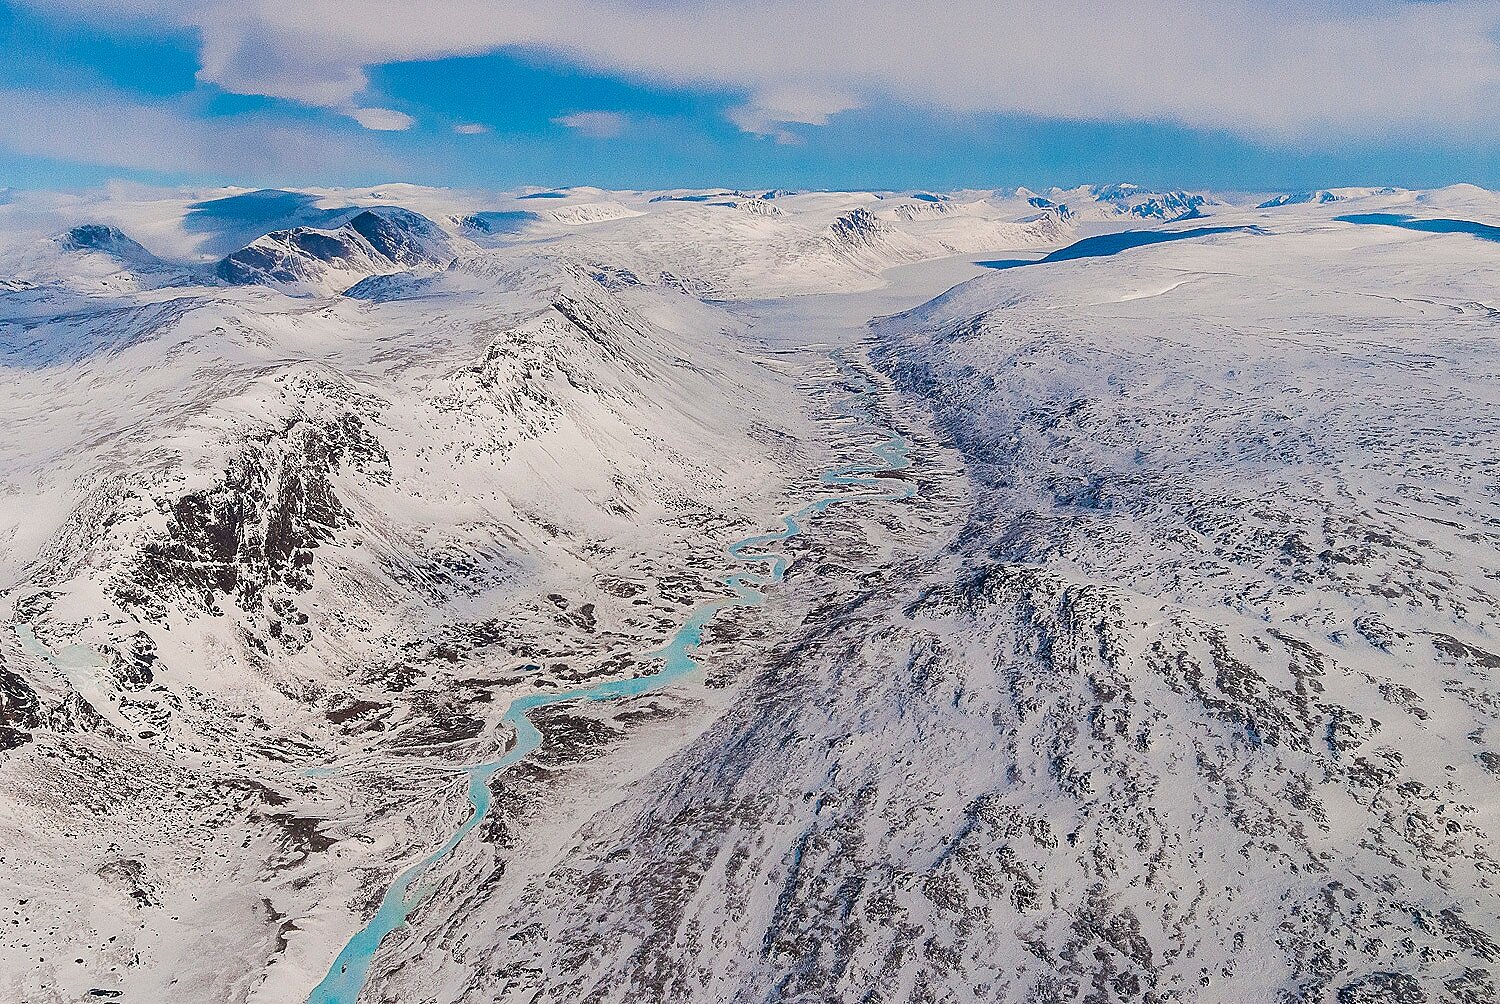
(755, 564)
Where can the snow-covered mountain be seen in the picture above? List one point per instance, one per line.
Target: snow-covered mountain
(299, 531)
(372, 242)
(1124, 201)
(1234, 614)
(93, 258)
(1323, 196)
(1149, 654)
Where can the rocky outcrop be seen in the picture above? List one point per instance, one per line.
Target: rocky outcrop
(250, 537)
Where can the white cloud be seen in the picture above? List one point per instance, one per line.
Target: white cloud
(598, 125)
(768, 113)
(1295, 68)
(382, 119)
(470, 129)
(112, 130)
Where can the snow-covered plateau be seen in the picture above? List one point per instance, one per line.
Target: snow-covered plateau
(415, 595)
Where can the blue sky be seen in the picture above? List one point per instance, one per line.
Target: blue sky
(495, 94)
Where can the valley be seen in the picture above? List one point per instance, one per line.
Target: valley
(723, 596)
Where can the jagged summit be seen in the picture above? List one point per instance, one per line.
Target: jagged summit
(862, 235)
(859, 228)
(1127, 199)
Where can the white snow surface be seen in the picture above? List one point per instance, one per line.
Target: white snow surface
(1175, 680)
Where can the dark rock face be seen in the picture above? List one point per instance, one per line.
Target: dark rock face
(1047, 205)
(401, 236)
(250, 538)
(261, 264)
(134, 661)
(19, 706)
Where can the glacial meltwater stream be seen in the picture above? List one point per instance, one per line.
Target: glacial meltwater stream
(756, 565)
